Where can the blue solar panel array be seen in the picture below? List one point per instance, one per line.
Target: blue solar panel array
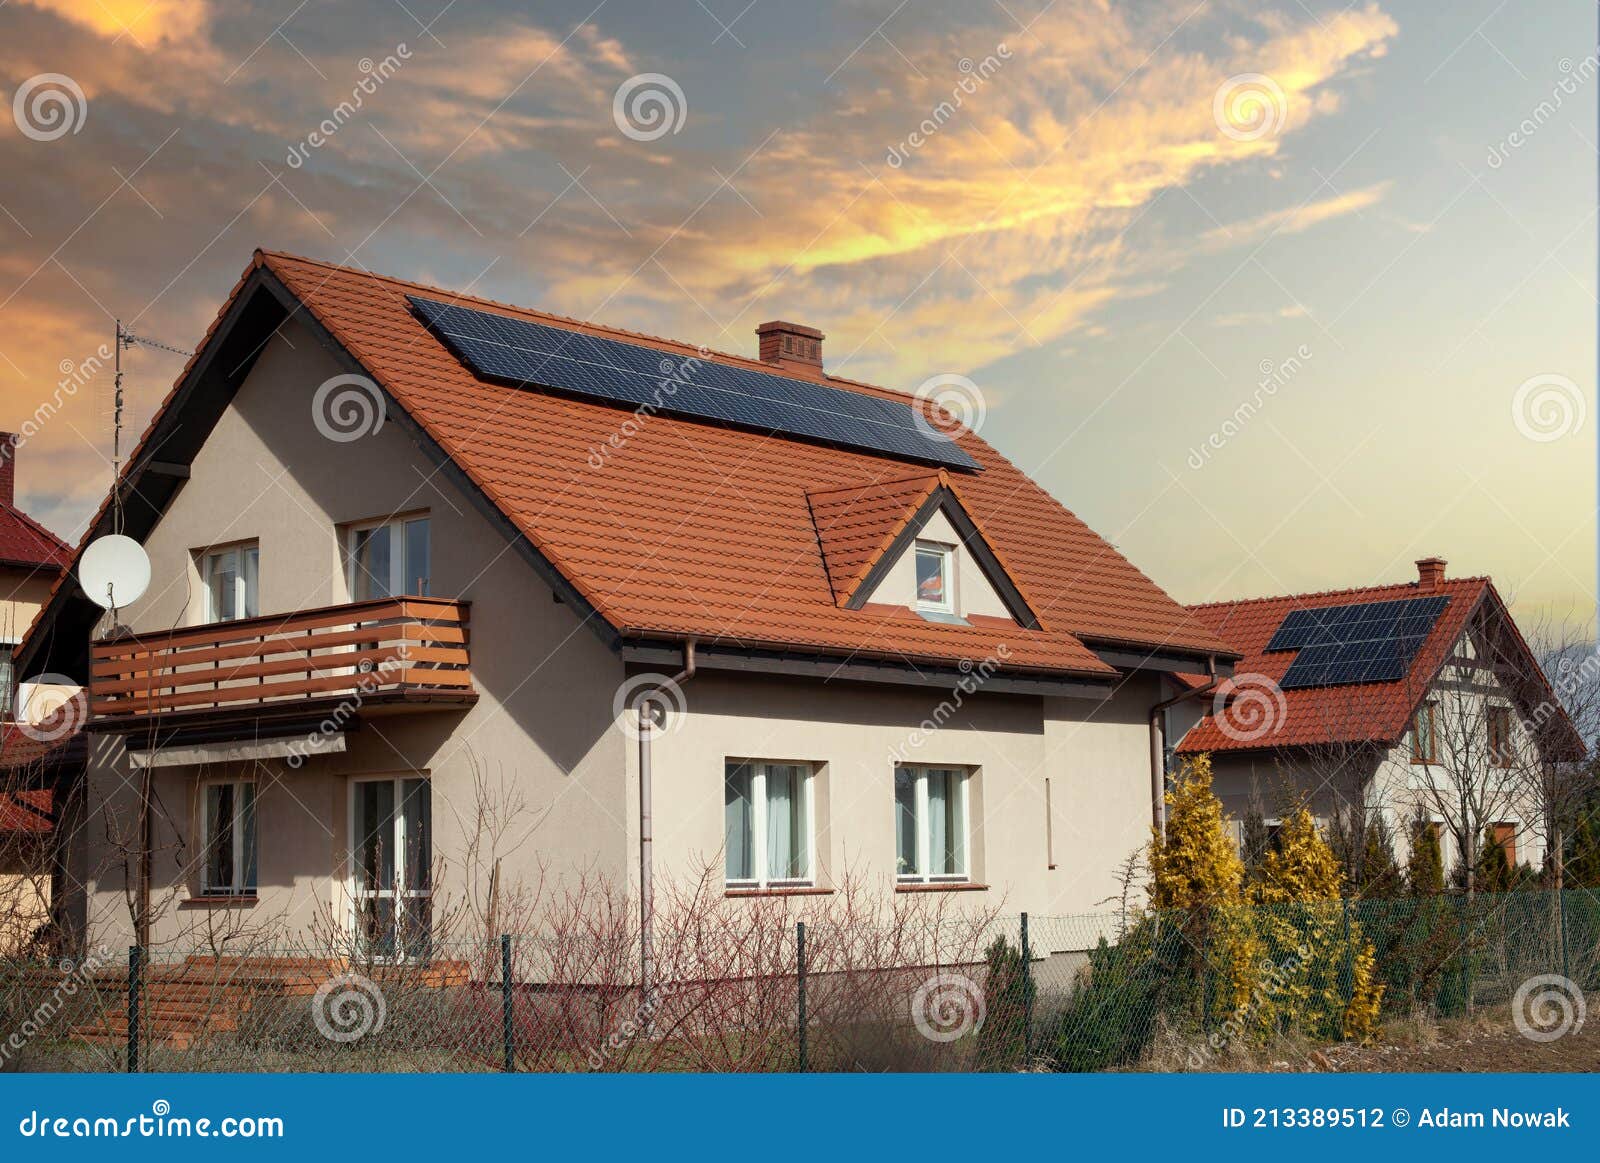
(1366, 642)
(632, 375)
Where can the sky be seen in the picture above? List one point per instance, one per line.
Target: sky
(1276, 297)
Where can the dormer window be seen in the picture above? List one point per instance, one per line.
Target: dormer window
(936, 577)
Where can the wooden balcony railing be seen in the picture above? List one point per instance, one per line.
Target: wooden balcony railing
(378, 649)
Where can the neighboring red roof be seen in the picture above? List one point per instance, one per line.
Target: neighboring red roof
(27, 811)
(24, 542)
(1365, 712)
(689, 529)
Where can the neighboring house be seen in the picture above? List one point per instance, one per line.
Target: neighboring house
(1403, 699)
(894, 657)
(34, 769)
(31, 559)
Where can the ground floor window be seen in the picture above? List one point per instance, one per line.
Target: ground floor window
(767, 823)
(931, 826)
(392, 854)
(228, 838)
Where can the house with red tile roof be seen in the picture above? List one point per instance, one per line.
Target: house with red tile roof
(1419, 702)
(32, 559)
(767, 620)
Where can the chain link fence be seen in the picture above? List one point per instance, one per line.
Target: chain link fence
(1094, 992)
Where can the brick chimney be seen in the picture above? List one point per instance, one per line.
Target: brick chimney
(8, 468)
(793, 344)
(1430, 573)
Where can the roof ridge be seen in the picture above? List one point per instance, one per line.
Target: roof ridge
(37, 526)
(1479, 579)
(622, 334)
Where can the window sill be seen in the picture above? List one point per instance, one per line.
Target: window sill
(220, 902)
(791, 890)
(942, 886)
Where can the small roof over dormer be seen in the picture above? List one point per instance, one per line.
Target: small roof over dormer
(863, 530)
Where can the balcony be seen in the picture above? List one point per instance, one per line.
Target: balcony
(377, 654)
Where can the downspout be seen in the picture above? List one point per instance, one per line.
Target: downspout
(647, 891)
(1158, 746)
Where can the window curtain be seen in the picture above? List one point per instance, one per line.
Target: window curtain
(786, 823)
(945, 826)
(247, 823)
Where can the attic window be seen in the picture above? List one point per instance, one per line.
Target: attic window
(935, 577)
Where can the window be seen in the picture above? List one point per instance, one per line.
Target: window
(228, 838)
(231, 578)
(930, 809)
(767, 818)
(8, 683)
(1501, 752)
(390, 559)
(391, 822)
(935, 580)
(1424, 736)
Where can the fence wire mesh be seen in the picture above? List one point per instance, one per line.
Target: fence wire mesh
(1073, 993)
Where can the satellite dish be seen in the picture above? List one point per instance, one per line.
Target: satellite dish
(114, 571)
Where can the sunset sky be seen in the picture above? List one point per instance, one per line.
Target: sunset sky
(1131, 212)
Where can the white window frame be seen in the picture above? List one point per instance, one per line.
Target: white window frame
(210, 559)
(399, 586)
(397, 891)
(923, 821)
(947, 556)
(758, 834)
(240, 841)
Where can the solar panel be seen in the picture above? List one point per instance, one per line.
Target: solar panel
(1360, 643)
(526, 354)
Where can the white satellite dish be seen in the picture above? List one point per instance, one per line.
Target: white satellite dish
(114, 571)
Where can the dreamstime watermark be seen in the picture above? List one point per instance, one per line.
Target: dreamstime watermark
(1548, 407)
(348, 407)
(1274, 979)
(641, 1023)
(1249, 107)
(674, 375)
(160, 1123)
(74, 375)
(974, 75)
(372, 676)
(947, 1007)
(974, 676)
(1548, 1007)
(347, 1008)
(648, 106)
(947, 405)
(1248, 707)
(1274, 377)
(1573, 77)
(56, 708)
(45, 1013)
(375, 74)
(656, 695)
(48, 106)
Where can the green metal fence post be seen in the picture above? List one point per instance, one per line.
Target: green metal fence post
(800, 990)
(508, 1027)
(135, 975)
(1027, 997)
